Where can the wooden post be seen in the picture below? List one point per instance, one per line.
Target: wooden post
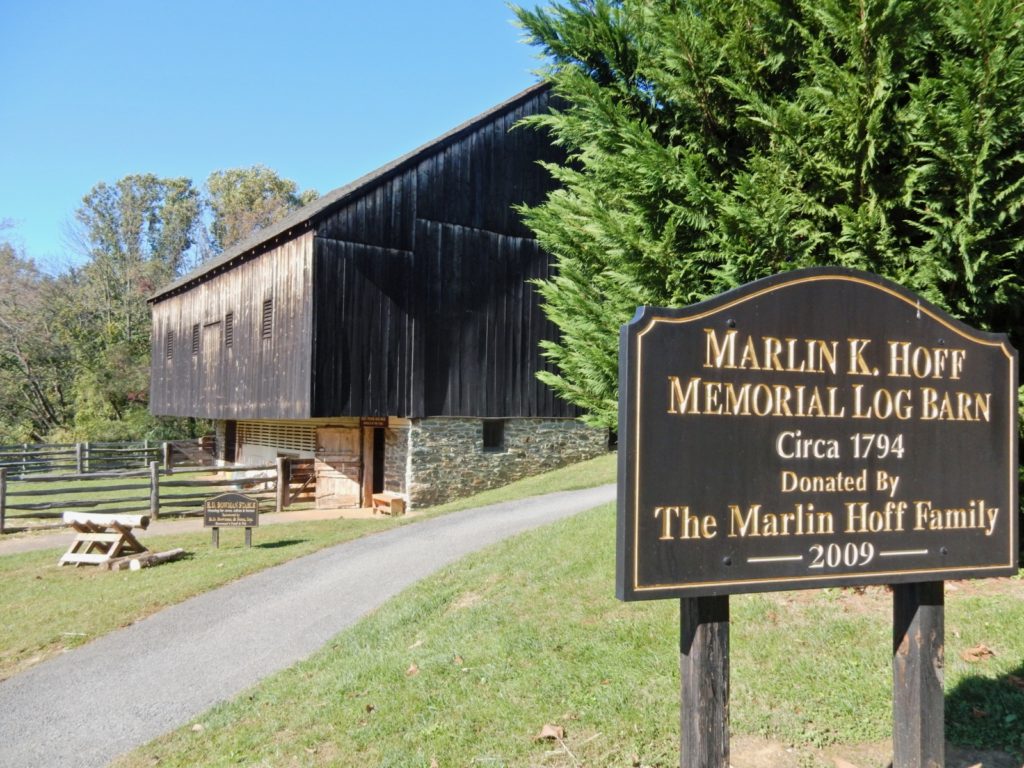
(154, 490)
(85, 458)
(167, 456)
(248, 537)
(918, 647)
(704, 676)
(79, 459)
(215, 540)
(145, 452)
(3, 498)
(283, 471)
(366, 460)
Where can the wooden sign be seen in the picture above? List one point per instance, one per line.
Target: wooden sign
(231, 510)
(818, 428)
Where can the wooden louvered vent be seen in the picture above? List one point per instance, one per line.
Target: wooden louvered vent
(169, 345)
(268, 319)
(229, 329)
(195, 339)
(280, 435)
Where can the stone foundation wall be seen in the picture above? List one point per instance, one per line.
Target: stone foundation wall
(396, 459)
(447, 459)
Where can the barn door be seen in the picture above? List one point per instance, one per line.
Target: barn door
(338, 463)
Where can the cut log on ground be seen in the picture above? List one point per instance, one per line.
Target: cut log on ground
(148, 559)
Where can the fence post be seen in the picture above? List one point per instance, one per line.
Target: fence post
(154, 490)
(79, 459)
(3, 499)
(167, 456)
(24, 459)
(85, 458)
(145, 452)
(283, 481)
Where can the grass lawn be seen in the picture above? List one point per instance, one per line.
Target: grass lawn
(465, 669)
(45, 609)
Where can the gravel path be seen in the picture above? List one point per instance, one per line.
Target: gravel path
(89, 705)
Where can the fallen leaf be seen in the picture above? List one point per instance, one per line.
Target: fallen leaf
(458, 660)
(412, 671)
(976, 765)
(370, 708)
(978, 652)
(1015, 681)
(840, 763)
(977, 713)
(551, 733)
(198, 728)
(434, 763)
(417, 644)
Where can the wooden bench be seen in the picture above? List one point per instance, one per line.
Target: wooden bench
(389, 503)
(102, 537)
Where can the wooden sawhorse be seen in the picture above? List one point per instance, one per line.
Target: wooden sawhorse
(102, 537)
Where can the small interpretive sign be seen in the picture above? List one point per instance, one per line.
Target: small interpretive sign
(231, 510)
(823, 427)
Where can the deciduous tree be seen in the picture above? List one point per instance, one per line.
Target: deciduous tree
(245, 200)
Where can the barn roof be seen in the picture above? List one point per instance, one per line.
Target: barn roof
(305, 218)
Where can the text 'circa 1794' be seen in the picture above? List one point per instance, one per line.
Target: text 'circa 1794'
(816, 428)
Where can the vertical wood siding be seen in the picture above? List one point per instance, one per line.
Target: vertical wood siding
(438, 319)
(255, 377)
(364, 330)
(411, 299)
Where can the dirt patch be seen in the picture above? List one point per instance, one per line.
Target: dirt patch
(754, 752)
(466, 600)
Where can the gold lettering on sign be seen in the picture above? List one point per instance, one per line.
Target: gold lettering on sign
(690, 526)
(724, 398)
(906, 360)
(955, 406)
(772, 354)
(976, 515)
(802, 521)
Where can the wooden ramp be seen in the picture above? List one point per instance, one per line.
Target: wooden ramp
(102, 537)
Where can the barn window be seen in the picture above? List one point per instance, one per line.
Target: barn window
(195, 339)
(494, 435)
(169, 345)
(268, 319)
(229, 329)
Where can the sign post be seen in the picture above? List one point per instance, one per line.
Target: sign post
(819, 428)
(233, 510)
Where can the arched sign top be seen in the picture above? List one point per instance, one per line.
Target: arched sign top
(647, 316)
(819, 427)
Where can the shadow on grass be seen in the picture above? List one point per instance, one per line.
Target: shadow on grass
(988, 713)
(279, 544)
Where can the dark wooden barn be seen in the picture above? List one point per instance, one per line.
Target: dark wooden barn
(401, 300)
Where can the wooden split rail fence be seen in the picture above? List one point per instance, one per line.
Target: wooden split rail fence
(153, 491)
(94, 457)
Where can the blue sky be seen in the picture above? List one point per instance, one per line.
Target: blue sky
(322, 92)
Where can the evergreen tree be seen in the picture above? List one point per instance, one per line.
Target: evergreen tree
(713, 142)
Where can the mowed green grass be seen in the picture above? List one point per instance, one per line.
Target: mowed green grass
(45, 609)
(466, 668)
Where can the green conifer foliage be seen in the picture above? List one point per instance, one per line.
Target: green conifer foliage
(713, 142)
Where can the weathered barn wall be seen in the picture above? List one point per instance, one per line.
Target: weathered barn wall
(254, 377)
(364, 339)
(423, 305)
